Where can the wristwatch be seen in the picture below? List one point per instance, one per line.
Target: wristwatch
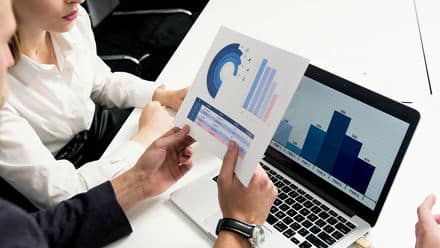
(254, 233)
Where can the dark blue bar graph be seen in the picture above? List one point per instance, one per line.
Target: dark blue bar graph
(312, 144)
(361, 176)
(333, 141)
(282, 133)
(346, 159)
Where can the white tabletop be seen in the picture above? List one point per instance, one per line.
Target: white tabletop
(374, 43)
(429, 19)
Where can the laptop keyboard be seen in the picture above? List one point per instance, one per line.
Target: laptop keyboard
(303, 219)
(297, 214)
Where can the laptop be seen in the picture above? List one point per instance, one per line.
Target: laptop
(333, 158)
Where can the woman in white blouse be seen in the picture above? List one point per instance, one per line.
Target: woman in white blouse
(54, 86)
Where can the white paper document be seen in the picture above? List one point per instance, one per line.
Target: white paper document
(240, 93)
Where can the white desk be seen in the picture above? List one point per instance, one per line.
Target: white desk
(357, 40)
(429, 17)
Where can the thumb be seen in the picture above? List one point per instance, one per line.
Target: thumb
(229, 161)
(174, 137)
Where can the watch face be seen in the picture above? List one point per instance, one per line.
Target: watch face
(258, 236)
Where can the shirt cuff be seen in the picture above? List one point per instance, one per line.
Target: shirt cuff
(142, 92)
(109, 167)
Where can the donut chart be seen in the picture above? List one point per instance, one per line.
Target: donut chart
(230, 53)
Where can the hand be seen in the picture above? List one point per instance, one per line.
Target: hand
(427, 230)
(251, 204)
(165, 161)
(170, 98)
(154, 122)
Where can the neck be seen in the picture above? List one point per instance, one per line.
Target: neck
(33, 41)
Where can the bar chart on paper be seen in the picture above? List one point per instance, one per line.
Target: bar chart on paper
(261, 98)
(332, 151)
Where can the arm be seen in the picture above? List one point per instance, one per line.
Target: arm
(91, 219)
(30, 167)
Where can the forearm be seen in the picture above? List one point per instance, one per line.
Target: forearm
(231, 240)
(128, 188)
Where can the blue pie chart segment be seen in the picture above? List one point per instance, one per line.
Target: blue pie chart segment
(230, 53)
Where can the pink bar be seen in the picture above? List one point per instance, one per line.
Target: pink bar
(272, 103)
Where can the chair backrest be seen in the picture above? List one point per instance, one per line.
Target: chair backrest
(99, 9)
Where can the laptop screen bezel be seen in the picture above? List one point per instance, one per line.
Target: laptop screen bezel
(324, 189)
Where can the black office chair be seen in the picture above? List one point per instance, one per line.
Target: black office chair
(137, 37)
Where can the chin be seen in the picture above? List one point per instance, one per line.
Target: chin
(64, 28)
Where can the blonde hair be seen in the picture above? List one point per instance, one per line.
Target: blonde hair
(14, 45)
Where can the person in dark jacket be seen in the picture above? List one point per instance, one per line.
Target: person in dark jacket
(97, 217)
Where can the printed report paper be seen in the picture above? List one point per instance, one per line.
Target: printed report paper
(240, 93)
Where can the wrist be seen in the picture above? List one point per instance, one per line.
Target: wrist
(128, 188)
(233, 239)
(160, 95)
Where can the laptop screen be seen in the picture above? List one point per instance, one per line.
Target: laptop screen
(345, 142)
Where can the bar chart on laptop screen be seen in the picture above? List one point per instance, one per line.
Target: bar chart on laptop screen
(343, 141)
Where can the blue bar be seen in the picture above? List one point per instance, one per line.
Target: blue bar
(265, 92)
(333, 141)
(312, 145)
(267, 100)
(282, 133)
(362, 173)
(259, 91)
(346, 159)
(254, 84)
(192, 115)
(293, 148)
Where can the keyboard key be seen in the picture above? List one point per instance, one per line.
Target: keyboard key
(308, 204)
(293, 194)
(316, 242)
(279, 184)
(312, 217)
(296, 206)
(287, 220)
(350, 225)
(280, 226)
(342, 228)
(289, 201)
(282, 196)
(323, 215)
(306, 224)
(280, 215)
(332, 220)
(299, 218)
(271, 219)
(324, 236)
(302, 192)
(324, 207)
(329, 229)
(304, 212)
(315, 229)
(277, 202)
(289, 233)
(291, 212)
(295, 226)
(286, 182)
(286, 188)
(316, 210)
(305, 244)
(308, 196)
(293, 186)
(333, 213)
(279, 177)
(320, 223)
(303, 232)
(316, 202)
(294, 240)
(284, 207)
(300, 199)
(337, 235)
(273, 209)
(342, 219)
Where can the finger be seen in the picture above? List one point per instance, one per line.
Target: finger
(437, 218)
(183, 159)
(184, 168)
(424, 212)
(188, 151)
(229, 161)
(174, 137)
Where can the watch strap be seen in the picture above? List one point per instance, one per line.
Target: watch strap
(236, 226)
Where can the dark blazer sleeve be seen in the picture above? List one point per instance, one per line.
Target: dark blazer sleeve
(91, 219)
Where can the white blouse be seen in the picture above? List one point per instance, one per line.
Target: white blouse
(47, 107)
